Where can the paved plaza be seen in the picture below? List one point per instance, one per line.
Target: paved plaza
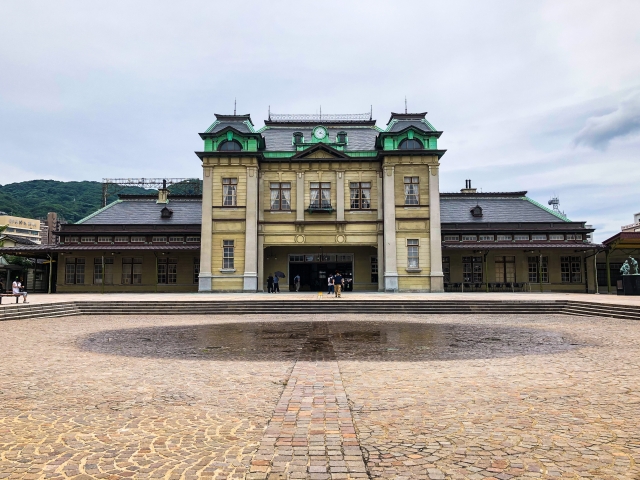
(431, 397)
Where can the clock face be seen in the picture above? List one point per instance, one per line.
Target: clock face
(320, 133)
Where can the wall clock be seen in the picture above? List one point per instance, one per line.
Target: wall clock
(319, 133)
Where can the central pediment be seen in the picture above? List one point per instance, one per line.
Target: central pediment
(320, 151)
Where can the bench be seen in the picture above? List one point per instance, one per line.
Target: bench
(17, 295)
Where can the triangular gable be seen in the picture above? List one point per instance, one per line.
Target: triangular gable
(320, 151)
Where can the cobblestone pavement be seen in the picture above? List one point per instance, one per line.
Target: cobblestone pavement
(433, 397)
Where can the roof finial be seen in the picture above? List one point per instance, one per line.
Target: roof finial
(320, 112)
(371, 113)
(269, 116)
(405, 104)
(234, 107)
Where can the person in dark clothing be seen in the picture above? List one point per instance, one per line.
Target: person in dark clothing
(276, 284)
(270, 284)
(337, 284)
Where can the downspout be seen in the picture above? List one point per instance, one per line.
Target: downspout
(50, 271)
(608, 271)
(103, 273)
(155, 254)
(486, 273)
(540, 271)
(595, 272)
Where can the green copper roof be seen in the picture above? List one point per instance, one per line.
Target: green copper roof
(97, 212)
(552, 212)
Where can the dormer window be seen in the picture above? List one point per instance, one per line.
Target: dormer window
(166, 212)
(410, 144)
(476, 211)
(298, 138)
(341, 137)
(230, 146)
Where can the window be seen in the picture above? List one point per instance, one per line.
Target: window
(472, 269)
(360, 195)
(132, 271)
(227, 254)
(570, 269)
(505, 269)
(476, 211)
(281, 196)
(229, 192)
(108, 270)
(160, 239)
(504, 238)
(320, 195)
(410, 144)
(298, 138)
(469, 238)
(230, 146)
(571, 236)
(538, 236)
(413, 260)
(341, 137)
(555, 236)
(521, 237)
(411, 194)
(121, 239)
(451, 238)
(167, 270)
(534, 266)
(72, 239)
(296, 258)
(138, 239)
(196, 269)
(74, 271)
(374, 269)
(104, 239)
(579, 236)
(446, 269)
(488, 238)
(176, 239)
(193, 239)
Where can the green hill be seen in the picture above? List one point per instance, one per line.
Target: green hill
(35, 198)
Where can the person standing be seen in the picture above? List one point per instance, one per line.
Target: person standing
(296, 281)
(338, 281)
(330, 285)
(276, 284)
(270, 284)
(16, 288)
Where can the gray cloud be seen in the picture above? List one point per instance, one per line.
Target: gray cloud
(600, 130)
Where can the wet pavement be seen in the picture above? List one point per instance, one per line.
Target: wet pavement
(433, 397)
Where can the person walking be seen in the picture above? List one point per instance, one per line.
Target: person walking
(330, 285)
(338, 281)
(296, 282)
(16, 288)
(276, 284)
(270, 284)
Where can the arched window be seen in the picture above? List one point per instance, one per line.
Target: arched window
(230, 146)
(410, 144)
(342, 137)
(297, 138)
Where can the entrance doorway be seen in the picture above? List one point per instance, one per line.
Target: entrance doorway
(315, 268)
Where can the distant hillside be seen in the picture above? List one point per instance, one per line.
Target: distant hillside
(72, 200)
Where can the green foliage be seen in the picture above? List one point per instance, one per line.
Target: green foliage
(72, 200)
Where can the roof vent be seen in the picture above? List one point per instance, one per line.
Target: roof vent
(166, 212)
(467, 187)
(476, 211)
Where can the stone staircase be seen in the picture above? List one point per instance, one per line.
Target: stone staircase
(328, 306)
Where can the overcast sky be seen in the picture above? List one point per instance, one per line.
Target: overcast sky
(541, 96)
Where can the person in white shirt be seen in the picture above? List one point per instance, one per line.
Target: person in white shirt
(16, 287)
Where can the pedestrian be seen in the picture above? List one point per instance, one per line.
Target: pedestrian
(276, 284)
(296, 281)
(330, 285)
(270, 284)
(337, 284)
(18, 290)
(1, 286)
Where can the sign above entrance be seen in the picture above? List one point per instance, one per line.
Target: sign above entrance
(321, 258)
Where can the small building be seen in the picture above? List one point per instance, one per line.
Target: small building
(506, 241)
(28, 228)
(618, 249)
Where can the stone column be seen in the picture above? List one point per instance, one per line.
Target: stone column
(380, 233)
(260, 263)
(251, 232)
(437, 277)
(204, 278)
(340, 196)
(300, 197)
(390, 259)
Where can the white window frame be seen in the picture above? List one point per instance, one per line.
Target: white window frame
(469, 238)
(452, 238)
(539, 237)
(192, 239)
(138, 239)
(556, 237)
(176, 239)
(104, 239)
(121, 239)
(159, 239)
(413, 253)
(505, 238)
(229, 192)
(228, 255)
(521, 237)
(487, 238)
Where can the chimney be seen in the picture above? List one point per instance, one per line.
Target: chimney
(163, 193)
(467, 187)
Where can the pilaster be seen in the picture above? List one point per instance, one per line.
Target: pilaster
(437, 277)
(300, 197)
(340, 196)
(204, 278)
(251, 232)
(390, 255)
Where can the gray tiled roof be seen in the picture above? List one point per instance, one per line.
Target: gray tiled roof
(494, 209)
(18, 239)
(402, 124)
(147, 212)
(240, 126)
(280, 138)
